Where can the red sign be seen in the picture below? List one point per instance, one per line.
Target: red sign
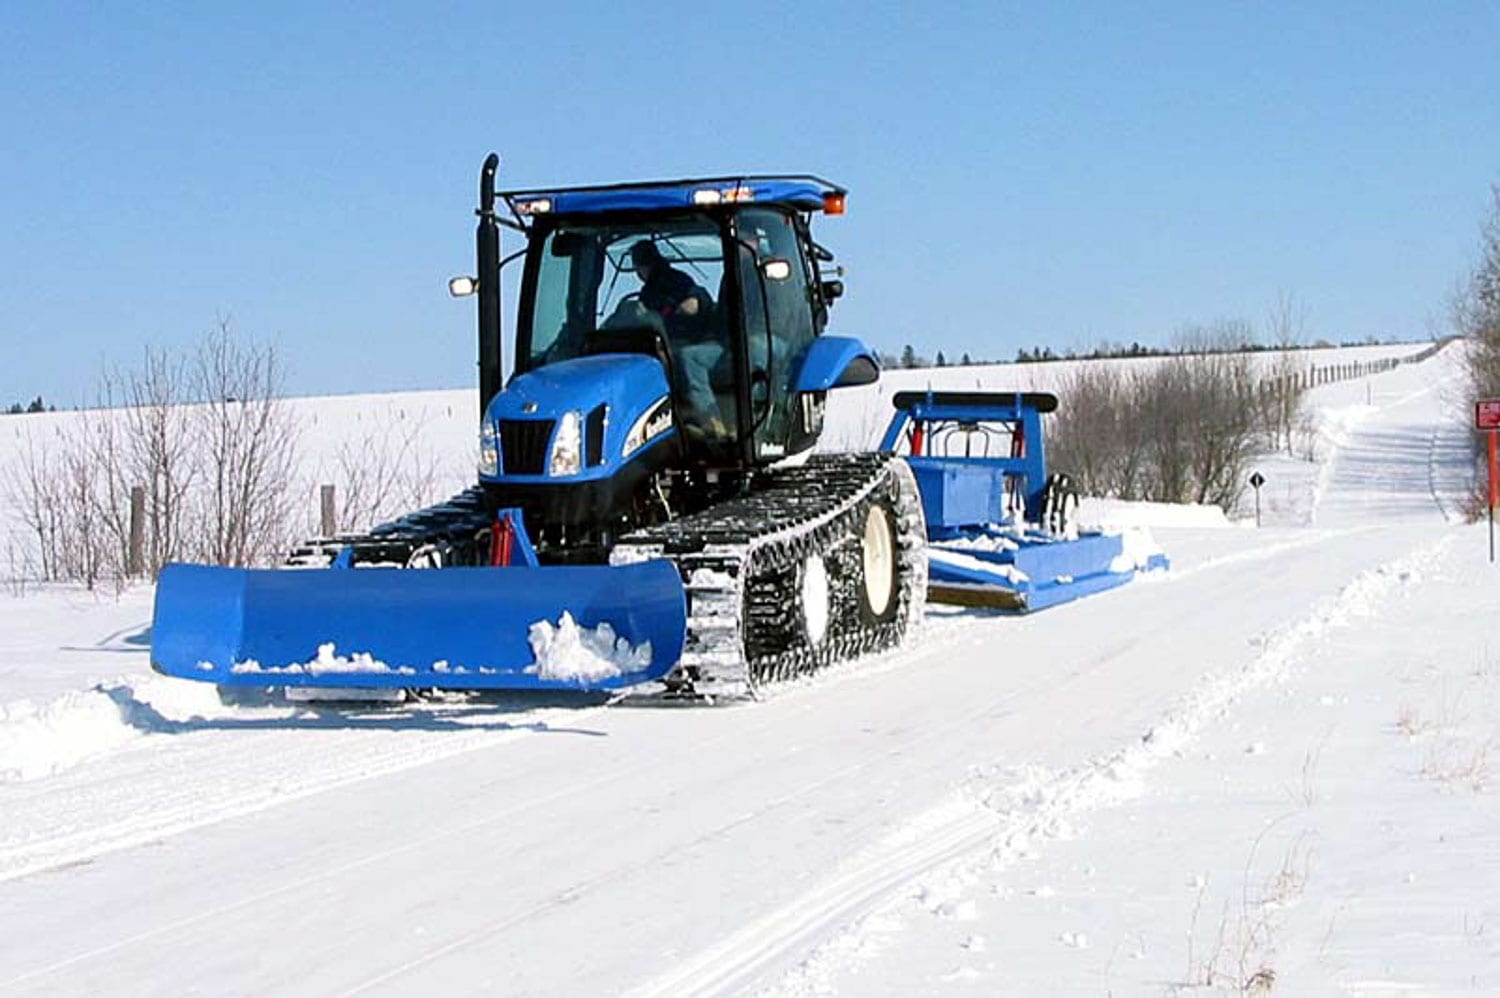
(1487, 414)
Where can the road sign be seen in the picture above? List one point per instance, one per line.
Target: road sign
(1487, 418)
(1487, 414)
(1257, 480)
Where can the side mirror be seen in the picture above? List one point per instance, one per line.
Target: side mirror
(776, 269)
(462, 287)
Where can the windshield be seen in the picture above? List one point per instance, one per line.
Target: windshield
(596, 279)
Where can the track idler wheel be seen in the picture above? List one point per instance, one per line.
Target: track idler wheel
(879, 590)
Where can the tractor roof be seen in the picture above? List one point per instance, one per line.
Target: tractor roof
(971, 405)
(803, 193)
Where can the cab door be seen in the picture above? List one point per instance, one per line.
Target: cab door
(778, 322)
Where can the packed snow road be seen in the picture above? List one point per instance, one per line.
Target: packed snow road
(581, 848)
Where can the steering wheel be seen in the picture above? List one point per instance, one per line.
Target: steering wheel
(629, 313)
(632, 328)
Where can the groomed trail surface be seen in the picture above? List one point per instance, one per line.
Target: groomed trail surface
(843, 836)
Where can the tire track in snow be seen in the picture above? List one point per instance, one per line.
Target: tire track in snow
(305, 880)
(185, 805)
(987, 827)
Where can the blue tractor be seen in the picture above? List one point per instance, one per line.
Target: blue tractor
(637, 517)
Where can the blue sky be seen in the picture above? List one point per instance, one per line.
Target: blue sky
(1020, 174)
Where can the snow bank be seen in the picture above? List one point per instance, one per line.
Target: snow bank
(940, 859)
(39, 740)
(1139, 548)
(574, 654)
(1115, 515)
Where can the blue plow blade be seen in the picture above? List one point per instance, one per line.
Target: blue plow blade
(1039, 574)
(448, 628)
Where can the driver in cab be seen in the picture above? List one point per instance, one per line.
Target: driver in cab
(667, 291)
(684, 309)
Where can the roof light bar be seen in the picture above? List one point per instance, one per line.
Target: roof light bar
(725, 195)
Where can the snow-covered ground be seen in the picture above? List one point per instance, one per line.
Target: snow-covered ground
(1265, 768)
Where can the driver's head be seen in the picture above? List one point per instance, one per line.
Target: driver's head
(644, 256)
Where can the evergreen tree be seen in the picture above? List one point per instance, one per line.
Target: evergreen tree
(941, 360)
(908, 356)
(36, 405)
(966, 361)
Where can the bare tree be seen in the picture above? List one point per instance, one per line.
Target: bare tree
(1281, 389)
(84, 543)
(1220, 427)
(1095, 435)
(1476, 310)
(151, 444)
(216, 472)
(384, 472)
(56, 490)
(247, 437)
(1179, 431)
(34, 489)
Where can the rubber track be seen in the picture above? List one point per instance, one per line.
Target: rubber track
(457, 524)
(742, 564)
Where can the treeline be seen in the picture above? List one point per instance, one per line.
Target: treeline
(1183, 430)
(35, 405)
(1244, 343)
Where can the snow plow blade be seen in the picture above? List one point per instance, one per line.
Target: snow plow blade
(449, 628)
(1033, 574)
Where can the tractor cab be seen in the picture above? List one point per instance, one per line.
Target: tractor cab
(718, 279)
(669, 343)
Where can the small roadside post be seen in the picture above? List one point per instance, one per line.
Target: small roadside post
(1487, 421)
(1256, 481)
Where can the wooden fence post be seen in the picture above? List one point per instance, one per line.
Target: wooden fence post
(329, 520)
(136, 558)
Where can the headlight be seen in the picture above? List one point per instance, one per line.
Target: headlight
(656, 420)
(489, 449)
(567, 445)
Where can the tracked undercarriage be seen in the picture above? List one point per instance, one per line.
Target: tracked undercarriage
(817, 564)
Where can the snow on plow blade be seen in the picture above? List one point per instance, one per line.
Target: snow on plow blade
(450, 628)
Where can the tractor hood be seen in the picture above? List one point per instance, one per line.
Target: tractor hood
(616, 406)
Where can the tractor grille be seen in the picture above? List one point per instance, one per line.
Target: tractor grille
(523, 445)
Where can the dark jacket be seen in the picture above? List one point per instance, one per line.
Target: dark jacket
(666, 289)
